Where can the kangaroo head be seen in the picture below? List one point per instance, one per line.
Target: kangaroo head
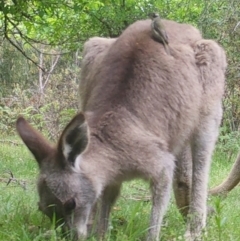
(66, 195)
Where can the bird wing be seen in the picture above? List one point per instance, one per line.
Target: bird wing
(159, 29)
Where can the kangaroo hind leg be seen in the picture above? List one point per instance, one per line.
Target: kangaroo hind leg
(161, 187)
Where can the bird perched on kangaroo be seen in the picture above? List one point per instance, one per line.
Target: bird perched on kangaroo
(158, 31)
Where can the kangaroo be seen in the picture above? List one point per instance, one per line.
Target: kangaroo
(140, 109)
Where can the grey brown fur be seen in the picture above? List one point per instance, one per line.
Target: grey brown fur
(141, 109)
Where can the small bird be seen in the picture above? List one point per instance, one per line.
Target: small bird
(158, 31)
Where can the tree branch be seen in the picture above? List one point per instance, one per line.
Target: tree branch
(237, 25)
(104, 23)
(51, 70)
(14, 45)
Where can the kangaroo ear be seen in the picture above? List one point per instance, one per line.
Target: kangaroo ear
(74, 139)
(35, 142)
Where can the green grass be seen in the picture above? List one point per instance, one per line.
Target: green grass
(20, 219)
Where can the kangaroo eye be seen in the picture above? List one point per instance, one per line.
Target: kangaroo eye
(69, 205)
